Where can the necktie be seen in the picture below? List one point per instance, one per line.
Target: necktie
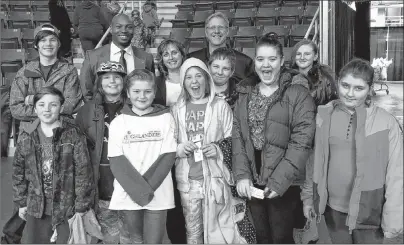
(122, 60)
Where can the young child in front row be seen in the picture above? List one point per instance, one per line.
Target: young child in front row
(142, 152)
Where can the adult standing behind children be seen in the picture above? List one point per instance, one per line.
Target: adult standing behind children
(90, 23)
(217, 32)
(119, 50)
(170, 56)
(94, 119)
(52, 174)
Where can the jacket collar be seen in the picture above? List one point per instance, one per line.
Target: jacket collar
(34, 125)
(33, 70)
(157, 110)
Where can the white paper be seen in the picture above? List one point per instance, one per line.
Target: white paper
(257, 193)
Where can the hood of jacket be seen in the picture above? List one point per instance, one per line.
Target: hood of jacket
(194, 62)
(157, 110)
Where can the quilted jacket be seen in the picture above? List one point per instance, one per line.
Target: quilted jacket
(289, 132)
(73, 185)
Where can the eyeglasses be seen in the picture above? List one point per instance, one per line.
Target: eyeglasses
(220, 28)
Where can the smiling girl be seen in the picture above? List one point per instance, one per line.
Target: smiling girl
(202, 122)
(273, 130)
(358, 163)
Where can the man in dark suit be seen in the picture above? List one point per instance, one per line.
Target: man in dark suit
(216, 32)
(120, 50)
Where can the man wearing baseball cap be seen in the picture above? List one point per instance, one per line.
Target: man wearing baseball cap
(45, 71)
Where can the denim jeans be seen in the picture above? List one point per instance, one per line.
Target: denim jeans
(143, 226)
(192, 203)
(339, 231)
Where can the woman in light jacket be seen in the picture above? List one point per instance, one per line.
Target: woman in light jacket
(202, 121)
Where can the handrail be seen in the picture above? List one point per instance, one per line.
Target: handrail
(312, 23)
(109, 28)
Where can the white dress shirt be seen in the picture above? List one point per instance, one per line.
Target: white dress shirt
(115, 55)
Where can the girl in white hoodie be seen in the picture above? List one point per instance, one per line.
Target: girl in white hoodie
(202, 121)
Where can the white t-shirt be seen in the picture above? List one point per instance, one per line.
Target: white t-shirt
(142, 140)
(173, 91)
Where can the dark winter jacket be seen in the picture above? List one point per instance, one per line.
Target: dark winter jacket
(289, 132)
(73, 185)
(90, 120)
(322, 84)
(88, 15)
(244, 64)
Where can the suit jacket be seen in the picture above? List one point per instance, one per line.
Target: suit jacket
(94, 58)
(244, 64)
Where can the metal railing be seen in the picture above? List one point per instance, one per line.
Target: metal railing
(394, 20)
(314, 23)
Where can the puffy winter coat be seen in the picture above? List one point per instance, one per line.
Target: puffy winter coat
(289, 132)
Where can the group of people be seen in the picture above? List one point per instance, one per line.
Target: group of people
(220, 148)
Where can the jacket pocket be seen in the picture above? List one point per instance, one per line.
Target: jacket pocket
(370, 207)
(66, 148)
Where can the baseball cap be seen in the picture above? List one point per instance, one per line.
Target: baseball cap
(47, 27)
(111, 66)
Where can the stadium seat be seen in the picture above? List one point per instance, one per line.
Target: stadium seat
(287, 55)
(186, 6)
(20, 5)
(267, 16)
(200, 18)
(268, 4)
(247, 36)
(246, 4)
(250, 52)
(40, 5)
(204, 5)
(28, 38)
(10, 39)
(20, 20)
(197, 38)
(31, 54)
(11, 60)
(298, 32)
(192, 49)
(281, 31)
(228, 13)
(313, 3)
(290, 15)
(225, 5)
(181, 19)
(40, 18)
(294, 3)
(180, 34)
(230, 36)
(4, 18)
(309, 13)
(244, 17)
(163, 32)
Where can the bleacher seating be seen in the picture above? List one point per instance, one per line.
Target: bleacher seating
(11, 39)
(40, 18)
(309, 13)
(244, 17)
(181, 19)
(267, 16)
(197, 38)
(31, 54)
(3, 18)
(281, 31)
(245, 4)
(297, 34)
(205, 5)
(186, 6)
(28, 38)
(40, 5)
(247, 36)
(11, 61)
(290, 15)
(18, 19)
(199, 18)
(180, 34)
(20, 5)
(294, 3)
(268, 3)
(287, 55)
(225, 5)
